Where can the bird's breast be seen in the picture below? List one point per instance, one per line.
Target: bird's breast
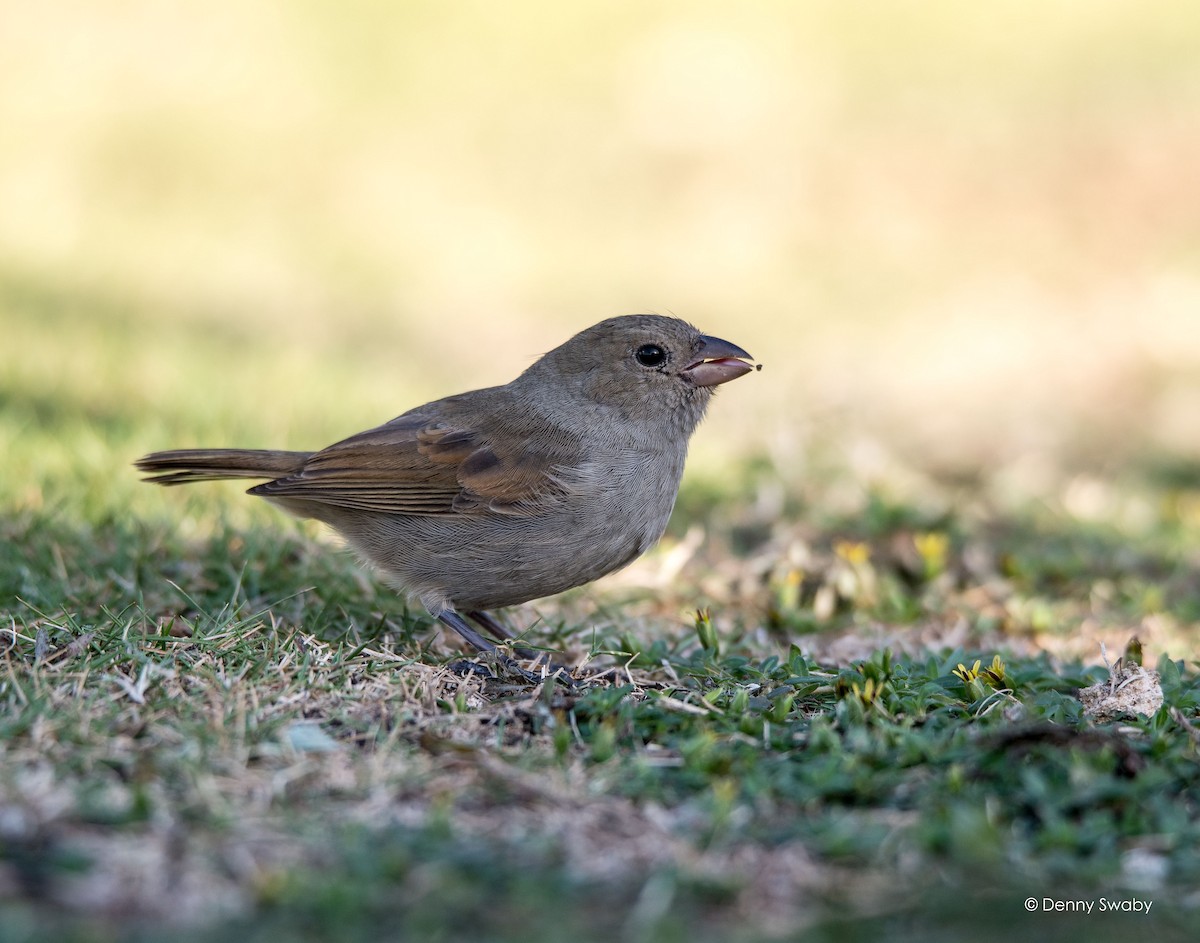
(631, 491)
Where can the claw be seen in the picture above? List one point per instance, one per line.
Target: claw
(453, 620)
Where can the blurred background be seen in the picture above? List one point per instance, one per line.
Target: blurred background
(963, 238)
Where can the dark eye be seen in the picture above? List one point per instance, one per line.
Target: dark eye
(651, 355)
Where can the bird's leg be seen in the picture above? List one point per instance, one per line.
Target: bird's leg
(488, 621)
(449, 617)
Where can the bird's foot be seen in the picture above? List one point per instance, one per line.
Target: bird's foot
(548, 669)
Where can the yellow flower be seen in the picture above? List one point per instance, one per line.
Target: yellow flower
(854, 552)
(967, 675)
(994, 674)
(932, 547)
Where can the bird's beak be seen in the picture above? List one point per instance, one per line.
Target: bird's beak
(717, 362)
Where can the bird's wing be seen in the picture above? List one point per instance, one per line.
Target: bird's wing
(418, 464)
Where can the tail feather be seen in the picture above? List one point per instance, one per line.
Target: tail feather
(182, 466)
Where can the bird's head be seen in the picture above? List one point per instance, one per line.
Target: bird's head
(647, 367)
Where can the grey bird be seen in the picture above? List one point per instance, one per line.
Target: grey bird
(502, 495)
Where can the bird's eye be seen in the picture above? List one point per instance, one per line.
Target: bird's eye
(651, 355)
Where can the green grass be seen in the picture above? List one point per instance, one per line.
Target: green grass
(216, 725)
(300, 758)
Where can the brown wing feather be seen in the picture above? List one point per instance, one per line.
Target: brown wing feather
(416, 465)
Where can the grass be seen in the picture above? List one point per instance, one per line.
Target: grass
(228, 755)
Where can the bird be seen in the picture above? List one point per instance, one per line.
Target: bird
(498, 496)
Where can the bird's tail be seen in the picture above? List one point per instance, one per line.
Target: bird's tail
(182, 466)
